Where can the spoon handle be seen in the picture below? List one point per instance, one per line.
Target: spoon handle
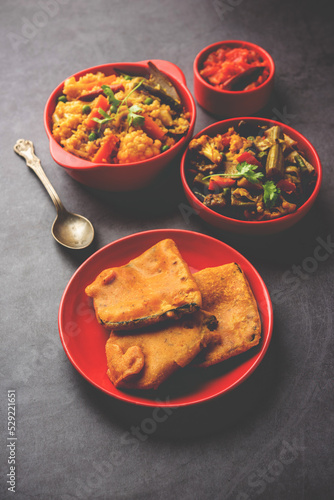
(25, 149)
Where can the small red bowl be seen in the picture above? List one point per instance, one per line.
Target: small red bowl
(121, 177)
(229, 104)
(253, 227)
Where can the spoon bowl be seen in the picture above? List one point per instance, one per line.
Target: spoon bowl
(70, 230)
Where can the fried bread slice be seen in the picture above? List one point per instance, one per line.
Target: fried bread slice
(226, 293)
(152, 287)
(147, 357)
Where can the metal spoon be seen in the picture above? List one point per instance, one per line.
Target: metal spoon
(70, 230)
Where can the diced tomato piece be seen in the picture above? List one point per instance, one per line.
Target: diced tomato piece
(221, 182)
(249, 158)
(286, 186)
(209, 71)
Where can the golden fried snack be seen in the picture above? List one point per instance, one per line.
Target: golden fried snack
(226, 294)
(150, 288)
(147, 357)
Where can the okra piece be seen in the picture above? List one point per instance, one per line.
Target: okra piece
(215, 201)
(292, 169)
(241, 198)
(275, 158)
(199, 195)
(226, 192)
(292, 173)
(198, 180)
(300, 163)
(304, 165)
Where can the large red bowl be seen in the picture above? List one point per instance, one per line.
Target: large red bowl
(253, 227)
(121, 177)
(229, 104)
(84, 339)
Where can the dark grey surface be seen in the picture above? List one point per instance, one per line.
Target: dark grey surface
(273, 436)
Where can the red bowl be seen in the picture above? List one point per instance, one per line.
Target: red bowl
(229, 104)
(121, 177)
(84, 339)
(253, 227)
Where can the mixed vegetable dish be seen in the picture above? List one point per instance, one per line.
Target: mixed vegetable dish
(119, 118)
(234, 69)
(251, 172)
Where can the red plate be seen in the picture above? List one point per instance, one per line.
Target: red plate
(84, 339)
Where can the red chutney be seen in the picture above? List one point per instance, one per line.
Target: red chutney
(225, 68)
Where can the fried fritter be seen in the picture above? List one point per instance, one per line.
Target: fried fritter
(146, 358)
(226, 293)
(152, 287)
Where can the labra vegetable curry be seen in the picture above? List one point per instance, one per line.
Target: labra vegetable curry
(250, 172)
(119, 118)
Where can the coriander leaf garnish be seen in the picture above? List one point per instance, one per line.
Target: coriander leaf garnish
(135, 88)
(270, 194)
(133, 116)
(105, 114)
(102, 121)
(248, 171)
(244, 170)
(111, 96)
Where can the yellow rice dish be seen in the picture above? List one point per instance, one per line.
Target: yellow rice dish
(117, 118)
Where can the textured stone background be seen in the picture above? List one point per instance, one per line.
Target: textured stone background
(273, 436)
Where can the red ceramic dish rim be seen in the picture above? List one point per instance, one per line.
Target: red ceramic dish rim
(240, 223)
(239, 43)
(259, 289)
(140, 65)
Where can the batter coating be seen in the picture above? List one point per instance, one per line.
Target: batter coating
(146, 358)
(226, 294)
(152, 287)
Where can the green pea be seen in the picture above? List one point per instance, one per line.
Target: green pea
(165, 148)
(148, 100)
(113, 109)
(86, 109)
(127, 77)
(62, 98)
(92, 136)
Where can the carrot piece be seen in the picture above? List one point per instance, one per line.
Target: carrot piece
(152, 129)
(107, 80)
(101, 102)
(103, 153)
